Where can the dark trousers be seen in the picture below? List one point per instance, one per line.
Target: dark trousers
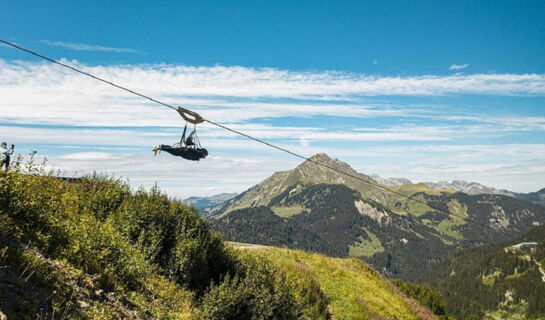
(5, 162)
(186, 153)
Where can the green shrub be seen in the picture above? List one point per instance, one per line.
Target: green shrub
(175, 237)
(260, 292)
(426, 295)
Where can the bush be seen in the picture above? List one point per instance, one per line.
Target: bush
(259, 292)
(176, 238)
(427, 296)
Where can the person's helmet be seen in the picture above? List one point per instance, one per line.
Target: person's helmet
(4, 144)
(204, 153)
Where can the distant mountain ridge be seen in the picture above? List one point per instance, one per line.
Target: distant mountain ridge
(392, 182)
(315, 208)
(471, 188)
(535, 197)
(205, 204)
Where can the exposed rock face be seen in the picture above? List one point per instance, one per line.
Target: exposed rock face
(498, 218)
(366, 209)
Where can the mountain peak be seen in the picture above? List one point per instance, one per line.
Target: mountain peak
(312, 167)
(318, 169)
(320, 157)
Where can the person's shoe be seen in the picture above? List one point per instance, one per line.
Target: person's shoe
(157, 149)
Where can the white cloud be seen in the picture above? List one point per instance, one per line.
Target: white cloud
(87, 47)
(85, 156)
(520, 123)
(173, 81)
(105, 117)
(518, 169)
(44, 93)
(458, 66)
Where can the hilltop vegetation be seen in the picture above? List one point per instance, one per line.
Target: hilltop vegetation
(92, 248)
(352, 289)
(495, 281)
(314, 208)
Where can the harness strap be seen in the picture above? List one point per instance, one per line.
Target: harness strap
(183, 135)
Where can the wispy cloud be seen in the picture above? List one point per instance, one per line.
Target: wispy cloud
(43, 105)
(87, 47)
(175, 81)
(458, 66)
(517, 170)
(44, 93)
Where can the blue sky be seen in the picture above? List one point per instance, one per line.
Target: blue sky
(427, 90)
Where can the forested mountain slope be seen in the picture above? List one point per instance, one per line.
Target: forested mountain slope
(349, 217)
(536, 197)
(495, 281)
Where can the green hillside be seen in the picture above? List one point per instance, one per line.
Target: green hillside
(497, 281)
(92, 248)
(351, 288)
(348, 217)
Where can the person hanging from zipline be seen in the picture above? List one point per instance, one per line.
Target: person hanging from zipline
(188, 148)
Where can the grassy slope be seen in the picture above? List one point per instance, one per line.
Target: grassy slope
(403, 206)
(366, 248)
(93, 249)
(37, 283)
(353, 289)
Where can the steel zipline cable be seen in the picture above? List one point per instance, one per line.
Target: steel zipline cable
(370, 182)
